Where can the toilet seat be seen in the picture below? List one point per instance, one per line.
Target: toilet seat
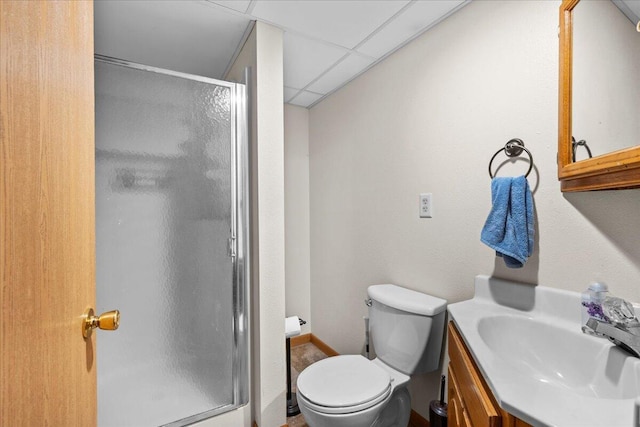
(343, 384)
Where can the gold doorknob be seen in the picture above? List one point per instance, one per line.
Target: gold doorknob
(109, 321)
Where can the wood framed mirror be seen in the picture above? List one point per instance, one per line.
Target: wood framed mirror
(614, 168)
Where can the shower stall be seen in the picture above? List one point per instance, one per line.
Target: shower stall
(171, 245)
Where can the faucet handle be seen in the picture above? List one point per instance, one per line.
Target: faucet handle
(619, 311)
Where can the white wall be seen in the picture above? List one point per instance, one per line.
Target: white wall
(296, 191)
(428, 119)
(263, 53)
(270, 207)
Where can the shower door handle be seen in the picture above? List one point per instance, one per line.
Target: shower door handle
(108, 321)
(231, 247)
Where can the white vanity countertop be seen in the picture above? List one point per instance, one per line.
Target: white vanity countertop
(527, 341)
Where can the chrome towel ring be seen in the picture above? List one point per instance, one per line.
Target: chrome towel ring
(513, 148)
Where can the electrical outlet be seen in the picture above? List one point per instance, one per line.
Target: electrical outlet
(426, 205)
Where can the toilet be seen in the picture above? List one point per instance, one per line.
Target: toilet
(406, 328)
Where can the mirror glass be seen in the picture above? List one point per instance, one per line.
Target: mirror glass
(606, 76)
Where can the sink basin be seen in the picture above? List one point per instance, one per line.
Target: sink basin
(528, 344)
(561, 357)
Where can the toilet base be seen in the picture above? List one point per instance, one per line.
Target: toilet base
(292, 406)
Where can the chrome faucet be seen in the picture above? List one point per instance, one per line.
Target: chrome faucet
(625, 335)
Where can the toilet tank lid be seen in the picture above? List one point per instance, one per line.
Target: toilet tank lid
(407, 300)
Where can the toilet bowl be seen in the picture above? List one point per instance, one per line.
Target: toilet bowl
(406, 328)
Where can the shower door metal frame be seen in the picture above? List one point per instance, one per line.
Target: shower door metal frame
(240, 238)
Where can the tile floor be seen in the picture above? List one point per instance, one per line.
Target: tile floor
(301, 357)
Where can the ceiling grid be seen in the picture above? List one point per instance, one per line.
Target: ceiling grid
(326, 43)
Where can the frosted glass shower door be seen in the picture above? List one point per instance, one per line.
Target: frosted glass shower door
(166, 218)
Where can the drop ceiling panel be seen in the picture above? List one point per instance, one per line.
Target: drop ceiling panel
(202, 36)
(341, 73)
(238, 5)
(290, 93)
(345, 23)
(306, 59)
(305, 99)
(411, 22)
(176, 35)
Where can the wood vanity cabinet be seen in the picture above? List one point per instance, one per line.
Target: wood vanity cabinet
(471, 403)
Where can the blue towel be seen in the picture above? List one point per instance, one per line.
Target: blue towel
(509, 229)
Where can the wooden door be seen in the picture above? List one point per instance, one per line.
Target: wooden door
(47, 274)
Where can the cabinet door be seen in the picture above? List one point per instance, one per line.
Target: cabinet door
(477, 399)
(509, 420)
(458, 415)
(454, 405)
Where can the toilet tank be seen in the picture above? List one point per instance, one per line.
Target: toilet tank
(406, 328)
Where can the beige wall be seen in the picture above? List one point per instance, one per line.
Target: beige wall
(428, 119)
(263, 53)
(296, 190)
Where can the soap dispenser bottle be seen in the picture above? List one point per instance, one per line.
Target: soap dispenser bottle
(592, 299)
